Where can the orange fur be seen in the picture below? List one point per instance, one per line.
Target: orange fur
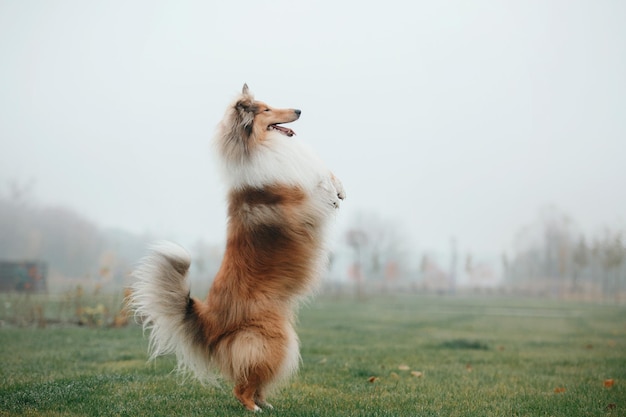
(275, 251)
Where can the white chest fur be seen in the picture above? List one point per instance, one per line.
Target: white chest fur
(279, 159)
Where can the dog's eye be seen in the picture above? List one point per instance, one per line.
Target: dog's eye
(267, 110)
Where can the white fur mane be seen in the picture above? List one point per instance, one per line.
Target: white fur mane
(279, 159)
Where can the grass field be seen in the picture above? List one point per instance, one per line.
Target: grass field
(391, 356)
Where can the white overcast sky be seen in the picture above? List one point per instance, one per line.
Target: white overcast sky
(451, 119)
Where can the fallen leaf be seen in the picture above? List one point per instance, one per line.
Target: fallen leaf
(608, 383)
(394, 375)
(500, 348)
(322, 361)
(404, 367)
(372, 379)
(468, 367)
(417, 374)
(589, 346)
(611, 406)
(612, 343)
(559, 390)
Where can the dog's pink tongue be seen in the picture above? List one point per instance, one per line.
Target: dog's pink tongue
(284, 130)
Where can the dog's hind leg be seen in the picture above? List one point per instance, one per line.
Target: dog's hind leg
(259, 360)
(246, 392)
(259, 399)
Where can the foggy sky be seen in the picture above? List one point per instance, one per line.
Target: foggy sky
(451, 119)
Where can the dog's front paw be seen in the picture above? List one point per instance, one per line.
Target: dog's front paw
(341, 193)
(333, 190)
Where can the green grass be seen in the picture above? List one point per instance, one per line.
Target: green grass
(478, 357)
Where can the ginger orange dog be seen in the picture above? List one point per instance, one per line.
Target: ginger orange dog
(281, 198)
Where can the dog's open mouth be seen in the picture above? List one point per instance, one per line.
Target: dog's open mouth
(282, 129)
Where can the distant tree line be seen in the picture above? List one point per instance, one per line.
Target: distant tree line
(71, 245)
(77, 251)
(553, 257)
(550, 257)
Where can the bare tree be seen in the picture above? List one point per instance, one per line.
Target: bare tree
(612, 256)
(543, 257)
(379, 249)
(357, 240)
(580, 260)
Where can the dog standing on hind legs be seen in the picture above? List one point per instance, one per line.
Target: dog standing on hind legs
(281, 200)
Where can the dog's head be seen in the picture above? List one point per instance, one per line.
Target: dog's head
(256, 117)
(249, 122)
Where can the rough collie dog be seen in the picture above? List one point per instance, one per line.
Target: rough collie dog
(280, 200)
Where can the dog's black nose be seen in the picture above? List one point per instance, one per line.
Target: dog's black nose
(297, 111)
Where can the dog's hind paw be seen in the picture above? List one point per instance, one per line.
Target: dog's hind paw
(264, 404)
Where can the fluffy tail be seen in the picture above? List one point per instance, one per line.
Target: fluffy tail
(160, 298)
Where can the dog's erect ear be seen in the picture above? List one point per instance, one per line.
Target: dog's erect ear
(246, 109)
(246, 105)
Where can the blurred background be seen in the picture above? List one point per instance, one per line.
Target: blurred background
(482, 144)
